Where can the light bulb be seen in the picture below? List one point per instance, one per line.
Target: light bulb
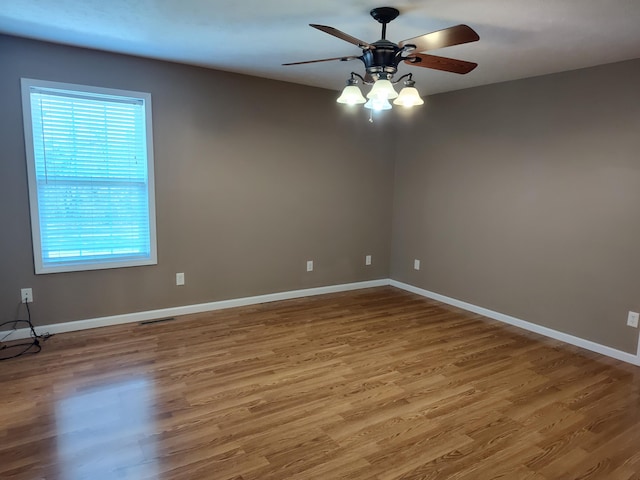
(408, 97)
(378, 104)
(383, 88)
(351, 95)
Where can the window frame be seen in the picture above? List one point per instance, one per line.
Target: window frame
(96, 264)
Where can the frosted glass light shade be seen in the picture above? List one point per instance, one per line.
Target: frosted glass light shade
(351, 95)
(378, 104)
(409, 97)
(382, 89)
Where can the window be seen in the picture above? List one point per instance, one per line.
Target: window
(90, 171)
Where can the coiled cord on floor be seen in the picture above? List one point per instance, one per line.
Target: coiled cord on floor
(15, 350)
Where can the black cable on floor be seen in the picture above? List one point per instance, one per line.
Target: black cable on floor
(18, 349)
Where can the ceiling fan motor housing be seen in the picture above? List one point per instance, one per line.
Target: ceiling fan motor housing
(383, 59)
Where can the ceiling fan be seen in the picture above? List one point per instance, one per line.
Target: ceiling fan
(382, 57)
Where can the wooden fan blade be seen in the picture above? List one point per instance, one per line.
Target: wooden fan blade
(342, 59)
(343, 36)
(440, 63)
(442, 38)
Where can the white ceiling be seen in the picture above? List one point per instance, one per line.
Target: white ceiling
(518, 38)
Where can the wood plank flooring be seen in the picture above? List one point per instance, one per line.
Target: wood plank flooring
(372, 384)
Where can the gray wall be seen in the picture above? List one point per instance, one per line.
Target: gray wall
(247, 189)
(521, 197)
(524, 197)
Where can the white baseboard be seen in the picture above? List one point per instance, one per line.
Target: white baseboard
(532, 327)
(188, 309)
(273, 297)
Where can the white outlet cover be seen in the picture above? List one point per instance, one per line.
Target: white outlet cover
(416, 264)
(367, 260)
(26, 295)
(179, 278)
(632, 319)
(309, 265)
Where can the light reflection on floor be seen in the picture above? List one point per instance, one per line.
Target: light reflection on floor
(100, 429)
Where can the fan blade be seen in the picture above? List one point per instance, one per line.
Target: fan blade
(440, 63)
(342, 59)
(343, 36)
(442, 38)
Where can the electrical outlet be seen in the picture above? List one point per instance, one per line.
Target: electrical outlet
(367, 260)
(309, 265)
(26, 294)
(179, 278)
(416, 264)
(632, 319)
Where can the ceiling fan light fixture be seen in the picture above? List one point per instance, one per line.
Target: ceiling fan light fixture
(378, 104)
(409, 97)
(382, 57)
(383, 88)
(351, 95)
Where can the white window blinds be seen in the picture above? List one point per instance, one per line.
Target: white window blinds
(90, 177)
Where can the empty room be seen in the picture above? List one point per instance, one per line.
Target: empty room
(319, 240)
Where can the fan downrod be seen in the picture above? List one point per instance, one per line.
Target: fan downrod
(384, 14)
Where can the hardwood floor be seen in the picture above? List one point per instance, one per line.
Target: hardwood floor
(372, 384)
